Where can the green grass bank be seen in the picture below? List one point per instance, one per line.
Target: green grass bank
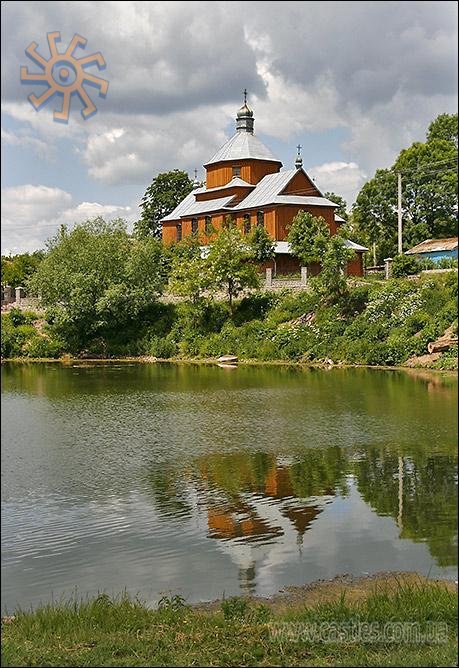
(377, 323)
(399, 620)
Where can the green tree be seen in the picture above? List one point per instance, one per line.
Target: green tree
(429, 193)
(262, 245)
(190, 278)
(308, 237)
(17, 269)
(96, 280)
(342, 204)
(331, 283)
(429, 190)
(230, 262)
(165, 192)
(444, 127)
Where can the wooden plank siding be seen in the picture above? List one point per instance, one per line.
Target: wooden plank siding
(252, 171)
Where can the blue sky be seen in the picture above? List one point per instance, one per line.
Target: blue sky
(351, 82)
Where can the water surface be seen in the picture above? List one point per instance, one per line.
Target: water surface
(206, 481)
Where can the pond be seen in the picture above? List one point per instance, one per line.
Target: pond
(205, 481)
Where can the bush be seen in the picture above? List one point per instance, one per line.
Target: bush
(163, 348)
(404, 265)
(42, 346)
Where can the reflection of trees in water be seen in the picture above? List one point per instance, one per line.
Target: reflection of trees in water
(231, 487)
(420, 492)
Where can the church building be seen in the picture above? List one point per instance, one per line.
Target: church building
(244, 180)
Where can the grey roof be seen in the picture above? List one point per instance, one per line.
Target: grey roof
(284, 247)
(240, 146)
(268, 189)
(357, 247)
(300, 199)
(184, 205)
(235, 181)
(266, 192)
(206, 206)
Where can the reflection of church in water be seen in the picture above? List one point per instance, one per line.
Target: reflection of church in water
(260, 521)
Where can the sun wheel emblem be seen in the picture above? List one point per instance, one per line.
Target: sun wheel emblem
(64, 75)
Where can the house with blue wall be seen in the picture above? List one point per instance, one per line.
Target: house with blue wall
(435, 249)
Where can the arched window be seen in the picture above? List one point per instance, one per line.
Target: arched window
(178, 231)
(260, 218)
(208, 224)
(246, 223)
(194, 225)
(236, 170)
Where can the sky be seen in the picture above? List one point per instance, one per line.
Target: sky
(352, 82)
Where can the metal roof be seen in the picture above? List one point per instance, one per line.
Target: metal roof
(184, 205)
(208, 205)
(235, 182)
(242, 146)
(267, 189)
(433, 245)
(283, 247)
(357, 247)
(300, 199)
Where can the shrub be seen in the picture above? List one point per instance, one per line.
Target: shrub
(163, 348)
(42, 346)
(404, 265)
(447, 263)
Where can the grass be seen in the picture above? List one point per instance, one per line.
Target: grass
(238, 632)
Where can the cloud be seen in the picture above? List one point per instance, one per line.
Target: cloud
(39, 147)
(31, 214)
(343, 178)
(380, 72)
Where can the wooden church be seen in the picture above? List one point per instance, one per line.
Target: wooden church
(244, 180)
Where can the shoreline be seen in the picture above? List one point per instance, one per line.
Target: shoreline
(142, 359)
(387, 619)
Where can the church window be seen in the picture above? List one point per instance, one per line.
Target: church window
(178, 229)
(194, 225)
(208, 224)
(260, 218)
(236, 170)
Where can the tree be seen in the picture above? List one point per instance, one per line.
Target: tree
(190, 277)
(17, 269)
(342, 204)
(331, 283)
(262, 245)
(230, 262)
(308, 236)
(444, 127)
(429, 190)
(429, 193)
(165, 192)
(96, 280)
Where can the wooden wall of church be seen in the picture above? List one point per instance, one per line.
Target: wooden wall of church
(252, 171)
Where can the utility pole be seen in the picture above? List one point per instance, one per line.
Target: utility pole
(399, 207)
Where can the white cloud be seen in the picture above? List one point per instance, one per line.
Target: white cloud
(39, 147)
(32, 214)
(343, 178)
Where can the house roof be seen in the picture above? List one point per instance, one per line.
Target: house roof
(242, 146)
(283, 247)
(235, 182)
(434, 245)
(265, 193)
(208, 205)
(184, 205)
